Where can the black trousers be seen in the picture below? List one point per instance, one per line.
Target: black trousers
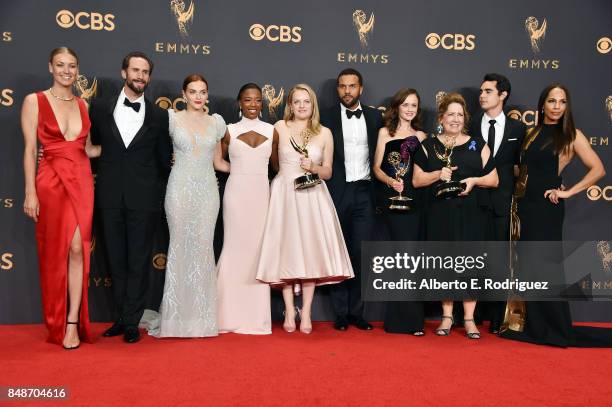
(356, 214)
(128, 238)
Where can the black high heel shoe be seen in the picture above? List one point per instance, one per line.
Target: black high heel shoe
(72, 347)
(445, 331)
(471, 335)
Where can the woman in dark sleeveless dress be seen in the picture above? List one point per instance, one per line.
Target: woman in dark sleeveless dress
(59, 197)
(402, 136)
(547, 150)
(467, 216)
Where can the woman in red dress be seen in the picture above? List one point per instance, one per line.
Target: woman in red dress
(59, 197)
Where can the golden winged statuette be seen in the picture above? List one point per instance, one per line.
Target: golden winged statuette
(182, 16)
(309, 179)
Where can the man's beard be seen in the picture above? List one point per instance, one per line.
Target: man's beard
(130, 84)
(351, 104)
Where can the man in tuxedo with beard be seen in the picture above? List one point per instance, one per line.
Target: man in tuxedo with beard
(504, 136)
(355, 131)
(136, 154)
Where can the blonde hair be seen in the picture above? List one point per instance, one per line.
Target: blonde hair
(62, 50)
(314, 123)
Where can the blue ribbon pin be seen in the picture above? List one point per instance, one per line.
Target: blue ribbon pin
(472, 145)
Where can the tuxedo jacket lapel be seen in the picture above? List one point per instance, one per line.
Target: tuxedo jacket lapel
(111, 110)
(337, 132)
(145, 123)
(507, 131)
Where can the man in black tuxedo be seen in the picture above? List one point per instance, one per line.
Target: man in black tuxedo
(355, 129)
(136, 153)
(504, 136)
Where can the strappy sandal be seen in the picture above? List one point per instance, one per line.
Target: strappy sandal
(471, 335)
(72, 347)
(445, 331)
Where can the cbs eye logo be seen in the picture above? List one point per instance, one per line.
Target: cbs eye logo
(457, 42)
(274, 33)
(177, 104)
(529, 117)
(159, 261)
(85, 20)
(604, 45)
(595, 193)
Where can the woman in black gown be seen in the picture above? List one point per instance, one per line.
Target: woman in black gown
(467, 216)
(401, 135)
(547, 150)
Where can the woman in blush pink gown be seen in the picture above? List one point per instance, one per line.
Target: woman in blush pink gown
(243, 301)
(303, 240)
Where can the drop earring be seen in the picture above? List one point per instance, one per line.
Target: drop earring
(439, 129)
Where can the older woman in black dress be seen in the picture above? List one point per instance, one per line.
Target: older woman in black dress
(465, 217)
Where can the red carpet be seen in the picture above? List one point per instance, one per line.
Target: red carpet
(327, 368)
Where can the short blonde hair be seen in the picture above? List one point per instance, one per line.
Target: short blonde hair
(314, 123)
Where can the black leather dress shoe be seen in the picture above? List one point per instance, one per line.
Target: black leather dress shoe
(115, 330)
(360, 323)
(341, 324)
(131, 335)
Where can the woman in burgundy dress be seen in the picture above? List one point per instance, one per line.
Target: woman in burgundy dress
(59, 197)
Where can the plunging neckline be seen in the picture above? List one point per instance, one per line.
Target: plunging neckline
(57, 123)
(194, 134)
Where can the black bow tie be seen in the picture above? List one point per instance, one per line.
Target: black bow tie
(356, 113)
(135, 105)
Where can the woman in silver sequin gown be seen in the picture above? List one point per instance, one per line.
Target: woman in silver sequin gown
(189, 304)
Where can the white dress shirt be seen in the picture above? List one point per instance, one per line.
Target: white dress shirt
(356, 150)
(127, 119)
(500, 122)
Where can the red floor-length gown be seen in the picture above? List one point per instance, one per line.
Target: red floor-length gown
(64, 186)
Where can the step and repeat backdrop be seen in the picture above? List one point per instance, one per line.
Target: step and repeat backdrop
(435, 47)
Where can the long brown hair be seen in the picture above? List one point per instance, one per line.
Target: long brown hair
(391, 116)
(565, 131)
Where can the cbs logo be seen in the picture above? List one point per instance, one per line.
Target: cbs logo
(85, 21)
(282, 33)
(529, 117)
(595, 193)
(604, 45)
(159, 261)
(457, 42)
(6, 202)
(177, 104)
(6, 261)
(6, 97)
